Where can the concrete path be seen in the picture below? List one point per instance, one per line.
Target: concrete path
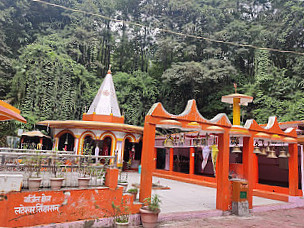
(184, 197)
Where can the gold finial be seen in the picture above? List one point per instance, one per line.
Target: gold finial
(235, 86)
(109, 71)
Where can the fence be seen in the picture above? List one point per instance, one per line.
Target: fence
(47, 163)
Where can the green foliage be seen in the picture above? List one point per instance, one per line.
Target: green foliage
(50, 85)
(194, 80)
(132, 190)
(121, 211)
(274, 91)
(136, 94)
(152, 204)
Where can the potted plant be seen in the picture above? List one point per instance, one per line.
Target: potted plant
(84, 169)
(123, 181)
(134, 192)
(149, 212)
(84, 179)
(102, 173)
(121, 214)
(57, 180)
(34, 166)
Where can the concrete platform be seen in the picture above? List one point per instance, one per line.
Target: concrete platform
(185, 197)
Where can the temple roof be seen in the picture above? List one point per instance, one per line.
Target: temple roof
(80, 124)
(105, 101)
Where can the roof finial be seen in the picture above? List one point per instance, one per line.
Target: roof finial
(235, 86)
(109, 71)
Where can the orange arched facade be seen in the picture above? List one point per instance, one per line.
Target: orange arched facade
(131, 138)
(81, 140)
(59, 134)
(113, 138)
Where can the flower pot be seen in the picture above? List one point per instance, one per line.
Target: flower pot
(34, 183)
(83, 182)
(149, 218)
(121, 224)
(124, 185)
(56, 183)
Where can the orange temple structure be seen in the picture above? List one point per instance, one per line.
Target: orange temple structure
(223, 131)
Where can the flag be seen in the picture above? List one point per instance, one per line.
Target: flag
(214, 151)
(205, 153)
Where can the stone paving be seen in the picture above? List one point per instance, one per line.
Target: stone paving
(189, 205)
(269, 219)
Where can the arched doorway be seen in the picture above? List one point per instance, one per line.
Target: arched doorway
(106, 146)
(88, 144)
(66, 142)
(127, 149)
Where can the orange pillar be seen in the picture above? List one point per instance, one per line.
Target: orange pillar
(191, 165)
(147, 163)
(171, 159)
(293, 169)
(223, 189)
(248, 166)
(111, 178)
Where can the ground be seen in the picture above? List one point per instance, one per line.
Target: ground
(269, 219)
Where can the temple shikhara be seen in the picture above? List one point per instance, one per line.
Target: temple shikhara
(101, 130)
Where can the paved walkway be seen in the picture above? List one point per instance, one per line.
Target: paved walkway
(185, 197)
(270, 219)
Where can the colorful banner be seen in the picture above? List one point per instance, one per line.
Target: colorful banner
(214, 150)
(205, 152)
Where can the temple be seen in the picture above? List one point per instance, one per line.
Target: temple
(101, 130)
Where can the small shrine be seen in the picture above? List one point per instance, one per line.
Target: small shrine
(101, 131)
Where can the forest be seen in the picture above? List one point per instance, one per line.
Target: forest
(53, 57)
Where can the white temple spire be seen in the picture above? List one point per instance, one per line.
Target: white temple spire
(105, 102)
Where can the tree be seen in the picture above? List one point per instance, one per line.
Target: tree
(136, 93)
(195, 80)
(50, 85)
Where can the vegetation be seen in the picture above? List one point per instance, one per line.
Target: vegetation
(52, 60)
(132, 190)
(121, 212)
(152, 204)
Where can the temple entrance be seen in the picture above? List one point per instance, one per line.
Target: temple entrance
(66, 142)
(138, 147)
(88, 144)
(128, 155)
(131, 155)
(106, 147)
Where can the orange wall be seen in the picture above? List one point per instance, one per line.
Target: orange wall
(45, 207)
(73, 205)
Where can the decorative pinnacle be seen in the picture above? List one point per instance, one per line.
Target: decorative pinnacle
(109, 71)
(235, 86)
